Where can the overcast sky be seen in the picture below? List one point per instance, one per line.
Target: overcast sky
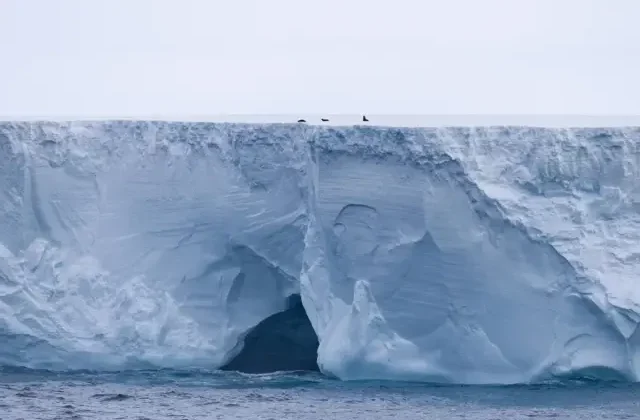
(199, 57)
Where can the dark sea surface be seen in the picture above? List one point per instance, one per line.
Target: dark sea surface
(169, 394)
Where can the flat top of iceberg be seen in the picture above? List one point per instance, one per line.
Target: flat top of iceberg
(375, 120)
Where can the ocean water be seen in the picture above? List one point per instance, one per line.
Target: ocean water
(171, 394)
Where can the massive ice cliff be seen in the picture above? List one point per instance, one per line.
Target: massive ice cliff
(467, 255)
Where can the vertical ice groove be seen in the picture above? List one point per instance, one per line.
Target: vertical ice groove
(466, 254)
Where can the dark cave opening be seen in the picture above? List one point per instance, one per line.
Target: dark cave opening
(284, 341)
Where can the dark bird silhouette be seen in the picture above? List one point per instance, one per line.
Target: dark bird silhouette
(364, 118)
(324, 119)
(302, 121)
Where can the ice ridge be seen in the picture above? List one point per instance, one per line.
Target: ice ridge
(464, 255)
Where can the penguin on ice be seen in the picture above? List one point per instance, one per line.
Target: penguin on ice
(364, 118)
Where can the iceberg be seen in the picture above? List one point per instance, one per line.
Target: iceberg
(470, 255)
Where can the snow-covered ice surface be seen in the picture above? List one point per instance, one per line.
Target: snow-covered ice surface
(460, 254)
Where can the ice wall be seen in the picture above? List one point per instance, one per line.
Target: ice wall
(469, 255)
